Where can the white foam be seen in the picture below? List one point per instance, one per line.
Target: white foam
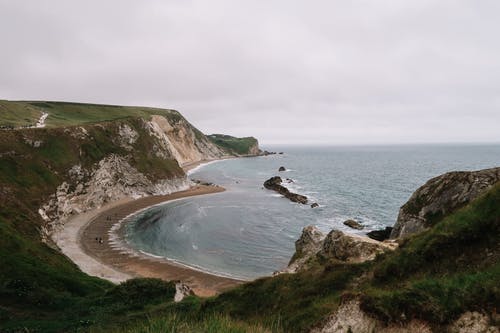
(201, 166)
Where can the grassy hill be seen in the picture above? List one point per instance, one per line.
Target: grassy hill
(27, 113)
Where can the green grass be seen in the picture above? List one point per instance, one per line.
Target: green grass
(25, 113)
(239, 146)
(174, 323)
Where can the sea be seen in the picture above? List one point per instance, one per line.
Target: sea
(248, 231)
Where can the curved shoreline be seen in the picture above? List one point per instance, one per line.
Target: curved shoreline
(112, 262)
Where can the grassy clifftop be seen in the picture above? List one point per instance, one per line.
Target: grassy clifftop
(238, 146)
(27, 113)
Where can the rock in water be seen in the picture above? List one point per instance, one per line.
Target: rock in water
(380, 235)
(353, 224)
(441, 196)
(274, 183)
(282, 168)
(314, 205)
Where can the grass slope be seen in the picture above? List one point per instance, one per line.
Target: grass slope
(26, 113)
(37, 283)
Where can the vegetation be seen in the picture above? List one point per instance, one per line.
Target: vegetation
(238, 146)
(437, 275)
(27, 113)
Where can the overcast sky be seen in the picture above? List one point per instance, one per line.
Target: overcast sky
(333, 72)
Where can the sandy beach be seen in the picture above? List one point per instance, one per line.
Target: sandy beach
(104, 259)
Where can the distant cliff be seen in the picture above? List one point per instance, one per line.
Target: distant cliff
(236, 146)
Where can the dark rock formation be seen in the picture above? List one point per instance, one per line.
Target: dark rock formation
(353, 224)
(314, 205)
(441, 196)
(289, 180)
(274, 183)
(201, 182)
(266, 153)
(282, 168)
(380, 235)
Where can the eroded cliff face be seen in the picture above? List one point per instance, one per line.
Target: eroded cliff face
(440, 196)
(111, 179)
(182, 141)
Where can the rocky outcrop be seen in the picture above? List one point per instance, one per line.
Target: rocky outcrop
(350, 318)
(182, 291)
(306, 248)
(354, 224)
(274, 183)
(441, 196)
(473, 322)
(352, 248)
(313, 245)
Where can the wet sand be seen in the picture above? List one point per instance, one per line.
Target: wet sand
(138, 265)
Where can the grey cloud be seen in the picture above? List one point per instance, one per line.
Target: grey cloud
(286, 71)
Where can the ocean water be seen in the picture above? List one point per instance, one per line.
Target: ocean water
(248, 231)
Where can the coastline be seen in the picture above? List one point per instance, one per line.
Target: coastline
(190, 167)
(78, 241)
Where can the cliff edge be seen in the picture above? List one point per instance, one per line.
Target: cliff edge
(441, 196)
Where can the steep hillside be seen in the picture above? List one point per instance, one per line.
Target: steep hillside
(86, 156)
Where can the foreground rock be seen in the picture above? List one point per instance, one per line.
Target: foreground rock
(352, 248)
(306, 248)
(441, 196)
(182, 291)
(274, 184)
(350, 318)
(380, 235)
(313, 245)
(353, 224)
